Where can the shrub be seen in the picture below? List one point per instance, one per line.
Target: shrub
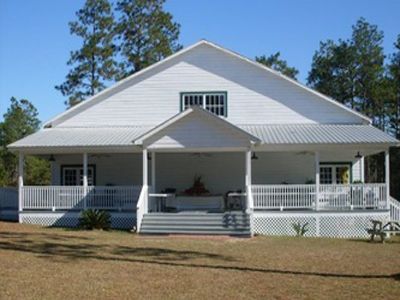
(95, 219)
(300, 229)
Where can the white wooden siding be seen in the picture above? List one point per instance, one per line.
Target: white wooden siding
(254, 95)
(193, 131)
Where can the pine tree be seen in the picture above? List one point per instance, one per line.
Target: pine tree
(275, 62)
(93, 65)
(394, 79)
(352, 71)
(146, 32)
(20, 120)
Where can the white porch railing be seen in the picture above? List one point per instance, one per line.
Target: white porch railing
(394, 209)
(141, 207)
(8, 198)
(353, 196)
(79, 197)
(330, 196)
(283, 196)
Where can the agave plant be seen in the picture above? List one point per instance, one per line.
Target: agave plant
(95, 219)
(300, 229)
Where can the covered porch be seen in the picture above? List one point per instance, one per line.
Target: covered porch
(229, 181)
(199, 163)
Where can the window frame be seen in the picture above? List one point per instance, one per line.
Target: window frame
(333, 166)
(78, 167)
(204, 94)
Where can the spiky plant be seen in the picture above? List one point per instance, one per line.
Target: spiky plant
(300, 229)
(95, 219)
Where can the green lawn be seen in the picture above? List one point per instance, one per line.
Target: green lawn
(43, 263)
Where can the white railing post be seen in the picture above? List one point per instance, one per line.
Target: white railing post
(20, 183)
(85, 179)
(317, 180)
(387, 178)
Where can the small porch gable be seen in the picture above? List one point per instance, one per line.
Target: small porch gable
(196, 128)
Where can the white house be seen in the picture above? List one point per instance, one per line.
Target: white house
(208, 141)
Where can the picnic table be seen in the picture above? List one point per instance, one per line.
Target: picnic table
(383, 231)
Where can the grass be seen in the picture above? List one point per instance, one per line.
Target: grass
(48, 263)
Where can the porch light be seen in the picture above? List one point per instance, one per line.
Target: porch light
(358, 155)
(254, 156)
(51, 158)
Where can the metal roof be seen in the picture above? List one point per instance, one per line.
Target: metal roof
(268, 134)
(81, 137)
(319, 134)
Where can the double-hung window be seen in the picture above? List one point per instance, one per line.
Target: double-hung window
(215, 102)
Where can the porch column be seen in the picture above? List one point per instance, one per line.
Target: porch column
(249, 204)
(362, 169)
(153, 171)
(317, 181)
(145, 177)
(20, 182)
(387, 178)
(85, 179)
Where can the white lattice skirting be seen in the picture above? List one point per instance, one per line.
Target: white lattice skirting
(119, 220)
(323, 224)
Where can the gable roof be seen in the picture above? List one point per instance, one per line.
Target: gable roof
(103, 94)
(196, 110)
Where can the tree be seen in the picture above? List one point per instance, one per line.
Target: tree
(20, 120)
(333, 71)
(394, 80)
(275, 62)
(93, 64)
(352, 71)
(146, 34)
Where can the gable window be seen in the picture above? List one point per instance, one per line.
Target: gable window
(73, 175)
(215, 102)
(335, 173)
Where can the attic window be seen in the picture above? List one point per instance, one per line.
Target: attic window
(215, 102)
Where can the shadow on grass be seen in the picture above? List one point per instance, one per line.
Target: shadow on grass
(53, 246)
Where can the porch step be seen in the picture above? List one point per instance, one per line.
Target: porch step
(229, 223)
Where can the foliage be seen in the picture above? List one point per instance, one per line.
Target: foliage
(20, 120)
(95, 219)
(352, 71)
(146, 33)
(300, 230)
(93, 64)
(275, 62)
(394, 86)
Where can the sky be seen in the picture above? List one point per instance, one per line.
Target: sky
(35, 41)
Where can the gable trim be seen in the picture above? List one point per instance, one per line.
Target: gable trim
(88, 102)
(140, 140)
(282, 76)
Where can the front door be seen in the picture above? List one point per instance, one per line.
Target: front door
(335, 174)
